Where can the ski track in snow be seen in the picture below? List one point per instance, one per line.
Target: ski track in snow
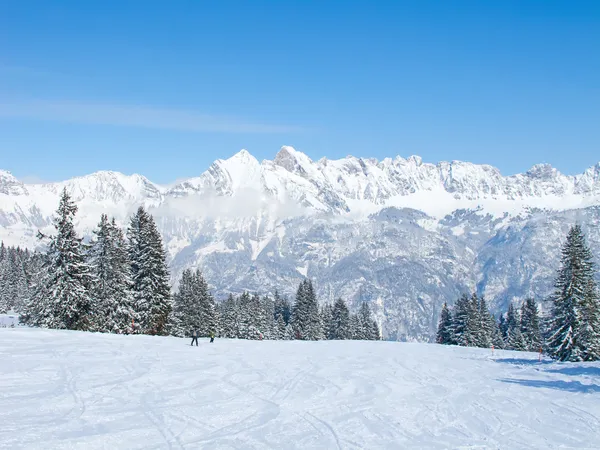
(61, 389)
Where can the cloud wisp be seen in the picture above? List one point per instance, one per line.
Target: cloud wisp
(135, 116)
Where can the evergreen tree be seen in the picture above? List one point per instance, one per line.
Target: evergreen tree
(282, 307)
(589, 334)
(497, 339)
(574, 329)
(355, 327)
(230, 322)
(444, 333)
(366, 322)
(515, 339)
(61, 299)
(487, 324)
(530, 326)
(327, 320)
(340, 321)
(306, 320)
(110, 289)
(280, 328)
(194, 308)
(265, 322)
(375, 334)
(503, 327)
(150, 276)
(464, 323)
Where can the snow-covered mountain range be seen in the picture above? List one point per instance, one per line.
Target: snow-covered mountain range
(399, 233)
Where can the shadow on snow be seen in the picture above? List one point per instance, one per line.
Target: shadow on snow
(522, 361)
(569, 386)
(577, 370)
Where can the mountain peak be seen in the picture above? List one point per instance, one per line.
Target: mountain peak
(542, 171)
(292, 160)
(9, 184)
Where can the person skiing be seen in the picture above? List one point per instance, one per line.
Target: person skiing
(212, 336)
(194, 337)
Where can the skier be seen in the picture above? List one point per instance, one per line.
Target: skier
(212, 336)
(194, 338)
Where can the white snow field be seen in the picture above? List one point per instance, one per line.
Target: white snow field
(61, 389)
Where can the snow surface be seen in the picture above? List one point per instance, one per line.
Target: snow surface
(61, 389)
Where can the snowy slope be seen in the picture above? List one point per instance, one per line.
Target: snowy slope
(88, 391)
(400, 233)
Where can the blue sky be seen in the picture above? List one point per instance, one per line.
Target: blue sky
(165, 88)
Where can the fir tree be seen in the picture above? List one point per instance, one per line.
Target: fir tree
(574, 329)
(444, 333)
(340, 321)
(366, 322)
(61, 299)
(306, 319)
(464, 323)
(150, 275)
(514, 340)
(355, 327)
(487, 324)
(110, 289)
(280, 328)
(530, 326)
(230, 323)
(327, 320)
(503, 327)
(375, 333)
(282, 307)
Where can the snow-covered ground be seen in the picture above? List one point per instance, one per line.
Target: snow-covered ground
(85, 391)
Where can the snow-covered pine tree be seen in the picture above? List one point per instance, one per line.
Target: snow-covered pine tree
(4, 281)
(463, 322)
(267, 324)
(151, 291)
(589, 334)
(530, 326)
(340, 321)
(355, 327)
(315, 330)
(513, 325)
(210, 318)
(444, 333)
(280, 328)
(14, 285)
(230, 326)
(248, 307)
(375, 333)
(306, 320)
(497, 339)
(366, 322)
(61, 299)
(503, 327)
(186, 308)
(110, 289)
(282, 307)
(327, 320)
(487, 324)
(573, 327)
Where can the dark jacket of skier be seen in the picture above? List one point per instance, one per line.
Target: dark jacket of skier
(194, 337)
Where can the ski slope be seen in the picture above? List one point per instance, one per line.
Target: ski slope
(61, 389)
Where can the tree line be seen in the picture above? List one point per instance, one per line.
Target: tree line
(118, 282)
(569, 332)
(470, 323)
(18, 268)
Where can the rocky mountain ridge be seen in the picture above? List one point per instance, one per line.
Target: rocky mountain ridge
(400, 233)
